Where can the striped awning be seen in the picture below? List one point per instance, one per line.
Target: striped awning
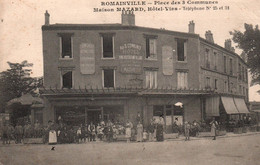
(229, 105)
(241, 105)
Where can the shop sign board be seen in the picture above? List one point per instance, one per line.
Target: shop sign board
(87, 58)
(167, 60)
(130, 58)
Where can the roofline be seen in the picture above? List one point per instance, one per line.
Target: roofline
(224, 49)
(112, 27)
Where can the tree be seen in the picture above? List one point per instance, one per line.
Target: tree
(17, 81)
(249, 42)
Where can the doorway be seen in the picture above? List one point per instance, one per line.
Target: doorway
(94, 116)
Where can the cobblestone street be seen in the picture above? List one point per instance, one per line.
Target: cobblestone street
(203, 151)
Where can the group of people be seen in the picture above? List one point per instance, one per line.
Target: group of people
(19, 132)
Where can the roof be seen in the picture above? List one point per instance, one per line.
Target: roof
(113, 27)
(26, 99)
(224, 49)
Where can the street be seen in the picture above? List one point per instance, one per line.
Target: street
(244, 150)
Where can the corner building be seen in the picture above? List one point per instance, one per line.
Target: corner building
(95, 72)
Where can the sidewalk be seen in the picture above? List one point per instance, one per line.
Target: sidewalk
(228, 135)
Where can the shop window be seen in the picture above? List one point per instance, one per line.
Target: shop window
(182, 80)
(151, 79)
(231, 66)
(108, 78)
(151, 52)
(108, 45)
(66, 45)
(225, 64)
(181, 50)
(67, 79)
(158, 110)
(207, 58)
(208, 82)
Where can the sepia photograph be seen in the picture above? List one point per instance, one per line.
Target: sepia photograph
(129, 82)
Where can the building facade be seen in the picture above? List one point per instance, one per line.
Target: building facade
(116, 72)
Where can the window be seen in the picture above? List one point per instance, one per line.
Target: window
(231, 87)
(216, 84)
(181, 50)
(208, 82)
(207, 58)
(158, 110)
(182, 80)
(108, 78)
(108, 45)
(151, 48)
(243, 76)
(246, 75)
(215, 60)
(65, 45)
(231, 66)
(225, 64)
(225, 87)
(151, 79)
(239, 71)
(67, 79)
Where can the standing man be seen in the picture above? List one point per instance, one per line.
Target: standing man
(92, 131)
(151, 129)
(187, 130)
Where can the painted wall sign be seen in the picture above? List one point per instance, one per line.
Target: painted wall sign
(167, 60)
(130, 58)
(87, 58)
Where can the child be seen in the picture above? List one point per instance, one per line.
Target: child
(145, 135)
(78, 134)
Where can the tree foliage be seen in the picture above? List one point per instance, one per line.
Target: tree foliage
(17, 81)
(249, 42)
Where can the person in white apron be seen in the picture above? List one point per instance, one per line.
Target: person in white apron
(52, 135)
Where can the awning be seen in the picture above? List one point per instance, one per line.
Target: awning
(229, 105)
(241, 105)
(212, 106)
(26, 99)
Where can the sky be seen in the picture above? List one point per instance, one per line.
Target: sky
(21, 21)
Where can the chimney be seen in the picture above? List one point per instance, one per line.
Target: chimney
(228, 44)
(192, 27)
(209, 36)
(128, 18)
(47, 18)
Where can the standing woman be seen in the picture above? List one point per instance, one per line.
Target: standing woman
(128, 131)
(139, 128)
(213, 128)
(159, 130)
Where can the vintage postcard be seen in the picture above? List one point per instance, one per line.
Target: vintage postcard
(129, 82)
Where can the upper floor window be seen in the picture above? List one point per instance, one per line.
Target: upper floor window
(67, 79)
(150, 79)
(207, 58)
(182, 78)
(66, 45)
(181, 49)
(107, 45)
(151, 47)
(225, 86)
(108, 76)
(246, 75)
(231, 66)
(243, 75)
(208, 82)
(225, 64)
(231, 87)
(216, 84)
(215, 60)
(239, 71)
